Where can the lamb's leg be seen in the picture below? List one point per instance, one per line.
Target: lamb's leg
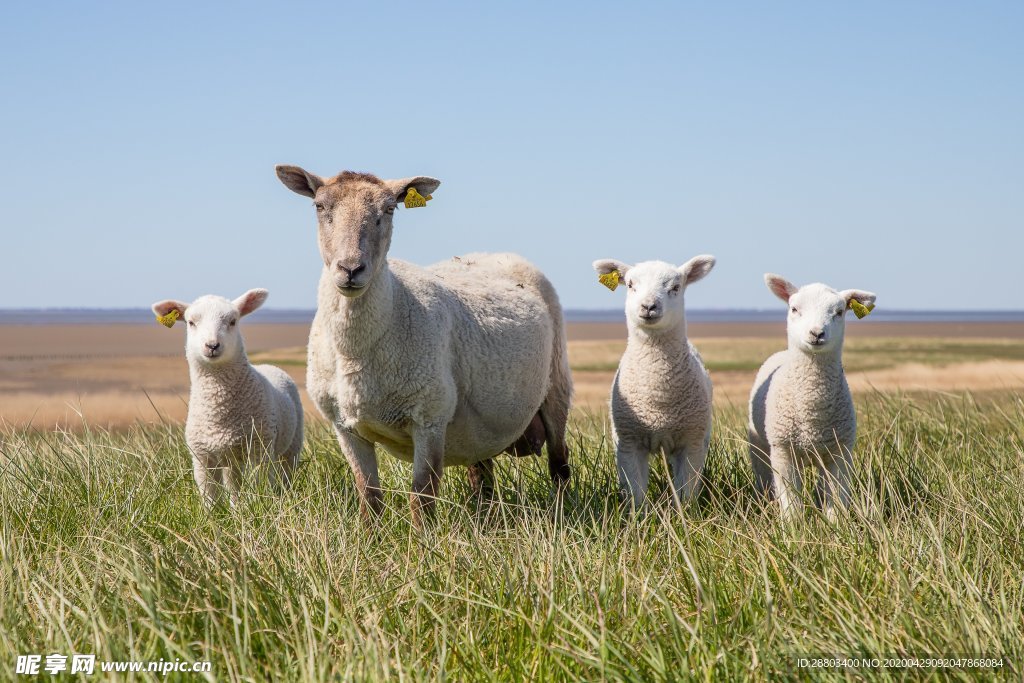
(362, 458)
(290, 461)
(785, 480)
(633, 465)
(207, 481)
(481, 478)
(687, 464)
(834, 485)
(232, 474)
(760, 461)
(427, 467)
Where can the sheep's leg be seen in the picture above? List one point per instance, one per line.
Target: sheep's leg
(206, 480)
(554, 413)
(362, 458)
(481, 478)
(687, 464)
(785, 480)
(834, 486)
(633, 465)
(291, 454)
(760, 461)
(232, 481)
(427, 467)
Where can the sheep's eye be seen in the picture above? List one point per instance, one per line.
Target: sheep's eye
(390, 210)
(191, 323)
(674, 290)
(793, 309)
(839, 312)
(319, 206)
(232, 323)
(629, 285)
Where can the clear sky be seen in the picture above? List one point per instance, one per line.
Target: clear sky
(877, 145)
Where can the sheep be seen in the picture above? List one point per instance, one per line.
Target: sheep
(239, 415)
(801, 410)
(661, 394)
(442, 365)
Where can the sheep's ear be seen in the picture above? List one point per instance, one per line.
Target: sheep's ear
(858, 295)
(162, 308)
(780, 286)
(697, 268)
(250, 301)
(299, 180)
(609, 265)
(424, 185)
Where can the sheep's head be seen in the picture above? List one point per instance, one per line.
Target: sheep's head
(211, 324)
(817, 313)
(355, 212)
(654, 289)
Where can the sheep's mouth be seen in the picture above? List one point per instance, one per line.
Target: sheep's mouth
(649, 319)
(213, 354)
(351, 290)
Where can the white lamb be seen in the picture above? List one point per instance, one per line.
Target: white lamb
(661, 396)
(239, 415)
(801, 411)
(444, 365)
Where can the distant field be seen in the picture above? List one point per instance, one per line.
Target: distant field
(116, 375)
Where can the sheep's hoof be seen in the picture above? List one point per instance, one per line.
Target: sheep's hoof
(422, 506)
(481, 479)
(558, 466)
(371, 505)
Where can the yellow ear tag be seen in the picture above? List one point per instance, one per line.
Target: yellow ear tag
(859, 309)
(414, 199)
(169, 319)
(609, 280)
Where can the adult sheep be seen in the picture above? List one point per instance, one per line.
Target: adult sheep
(443, 365)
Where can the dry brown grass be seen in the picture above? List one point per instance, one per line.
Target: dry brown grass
(117, 375)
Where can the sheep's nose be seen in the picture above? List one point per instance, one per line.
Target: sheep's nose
(817, 335)
(351, 270)
(649, 310)
(213, 346)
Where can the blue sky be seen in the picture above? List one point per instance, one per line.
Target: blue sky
(876, 145)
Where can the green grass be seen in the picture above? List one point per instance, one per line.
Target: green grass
(105, 549)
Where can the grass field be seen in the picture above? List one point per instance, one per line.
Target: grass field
(105, 549)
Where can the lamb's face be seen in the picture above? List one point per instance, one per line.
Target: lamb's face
(817, 319)
(354, 213)
(211, 324)
(212, 328)
(817, 313)
(654, 289)
(654, 295)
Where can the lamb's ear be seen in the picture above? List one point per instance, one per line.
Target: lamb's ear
(162, 308)
(423, 184)
(250, 301)
(299, 180)
(697, 268)
(780, 286)
(858, 295)
(609, 265)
